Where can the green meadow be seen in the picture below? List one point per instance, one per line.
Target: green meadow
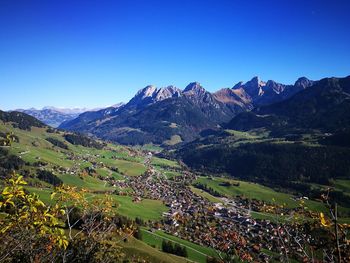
(205, 195)
(134, 248)
(146, 209)
(164, 162)
(195, 252)
(256, 191)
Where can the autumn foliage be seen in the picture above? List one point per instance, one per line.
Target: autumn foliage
(74, 226)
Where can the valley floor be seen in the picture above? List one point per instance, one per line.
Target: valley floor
(210, 216)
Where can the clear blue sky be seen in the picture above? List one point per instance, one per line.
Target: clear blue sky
(97, 53)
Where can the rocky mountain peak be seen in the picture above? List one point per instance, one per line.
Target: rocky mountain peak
(147, 91)
(152, 94)
(254, 87)
(194, 88)
(271, 83)
(303, 82)
(238, 85)
(274, 86)
(256, 82)
(167, 92)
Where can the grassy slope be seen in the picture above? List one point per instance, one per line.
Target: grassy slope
(205, 195)
(163, 166)
(130, 168)
(343, 185)
(169, 174)
(164, 162)
(146, 209)
(134, 248)
(150, 147)
(195, 252)
(175, 139)
(32, 144)
(239, 137)
(43, 193)
(257, 191)
(87, 182)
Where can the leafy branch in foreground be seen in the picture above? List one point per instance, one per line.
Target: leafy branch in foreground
(76, 227)
(29, 229)
(341, 232)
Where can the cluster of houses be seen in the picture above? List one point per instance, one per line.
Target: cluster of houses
(227, 227)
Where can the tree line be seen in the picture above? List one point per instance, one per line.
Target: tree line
(176, 249)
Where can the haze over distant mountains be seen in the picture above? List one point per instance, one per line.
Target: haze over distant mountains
(170, 115)
(54, 116)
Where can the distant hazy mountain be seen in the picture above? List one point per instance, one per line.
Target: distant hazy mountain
(79, 123)
(53, 116)
(159, 115)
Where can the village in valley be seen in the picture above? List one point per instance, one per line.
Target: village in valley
(227, 225)
(165, 197)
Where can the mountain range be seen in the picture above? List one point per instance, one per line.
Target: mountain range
(170, 115)
(325, 107)
(53, 116)
(258, 93)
